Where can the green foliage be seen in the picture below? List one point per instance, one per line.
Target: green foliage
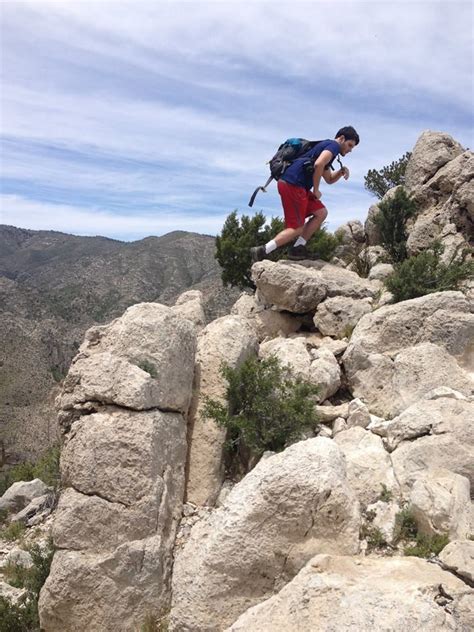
(265, 409)
(427, 546)
(425, 273)
(23, 617)
(13, 532)
(323, 243)
(385, 495)
(375, 538)
(405, 525)
(46, 469)
(379, 182)
(234, 243)
(155, 624)
(148, 367)
(391, 220)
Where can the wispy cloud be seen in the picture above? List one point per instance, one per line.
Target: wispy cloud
(168, 110)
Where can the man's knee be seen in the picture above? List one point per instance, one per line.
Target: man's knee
(323, 213)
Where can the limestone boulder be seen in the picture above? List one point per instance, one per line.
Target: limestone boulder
(446, 441)
(190, 305)
(339, 315)
(229, 340)
(317, 366)
(445, 206)
(352, 230)
(123, 477)
(458, 556)
(381, 271)
(300, 287)
(289, 507)
(21, 493)
(440, 503)
(359, 414)
(113, 590)
(369, 467)
(268, 323)
(399, 352)
(142, 360)
(432, 151)
(429, 416)
(346, 594)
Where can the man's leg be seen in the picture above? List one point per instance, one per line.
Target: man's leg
(314, 223)
(294, 201)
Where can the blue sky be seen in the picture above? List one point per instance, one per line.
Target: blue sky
(129, 119)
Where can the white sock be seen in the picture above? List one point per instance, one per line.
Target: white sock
(270, 247)
(300, 242)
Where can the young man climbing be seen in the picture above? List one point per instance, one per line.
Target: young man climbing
(299, 202)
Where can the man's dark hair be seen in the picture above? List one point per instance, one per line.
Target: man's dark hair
(349, 133)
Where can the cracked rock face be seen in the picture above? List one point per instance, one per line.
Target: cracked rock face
(347, 594)
(289, 507)
(400, 352)
(123, 474)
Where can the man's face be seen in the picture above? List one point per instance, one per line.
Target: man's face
(347, 146)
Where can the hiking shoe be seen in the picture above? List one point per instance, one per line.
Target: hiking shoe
(300, 253)
(257, 253)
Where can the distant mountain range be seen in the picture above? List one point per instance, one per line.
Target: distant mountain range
(54, 286)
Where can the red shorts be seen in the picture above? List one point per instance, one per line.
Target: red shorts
(298, 204)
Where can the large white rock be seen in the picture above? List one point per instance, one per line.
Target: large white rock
(142, 360)
(369, 467)
(459, 557)
(228, 340)
(289, 507)
(268, 323)
(338, 316)
(21, 493)
(440, 503)
(388, 366)
(345, 594)
(431, 152)
(444, 438)
(190, 305)
(317, 366)
(123, 477)
(429, 417)
(300, 287)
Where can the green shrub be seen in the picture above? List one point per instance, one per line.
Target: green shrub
(391, 221)
(265, 409)
(405, 525)
(375, 538)
(13, 532)
(427, 546)
(379, 182)
(323, 243)
(234, 243)
(23, 617)
(385, 495)
(46, 469)
(425, 273)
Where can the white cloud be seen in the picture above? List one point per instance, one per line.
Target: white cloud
(177, 105)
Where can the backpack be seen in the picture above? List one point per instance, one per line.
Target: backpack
(287, 152)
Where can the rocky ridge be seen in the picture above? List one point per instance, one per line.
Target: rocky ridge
(147, 522)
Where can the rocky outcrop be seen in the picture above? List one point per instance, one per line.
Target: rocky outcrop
(300, 287)
(289, 507)
(400, 352)
(268, 323)
(339, 315)
(229, 340)
(439, 177)
(123, 473)
(347, 594)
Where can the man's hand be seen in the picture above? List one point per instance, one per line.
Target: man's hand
(345, 173)
(316, 195)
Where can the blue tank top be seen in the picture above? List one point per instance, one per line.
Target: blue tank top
(300, 172)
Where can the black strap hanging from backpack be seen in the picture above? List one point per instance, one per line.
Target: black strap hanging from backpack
(287, 152)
